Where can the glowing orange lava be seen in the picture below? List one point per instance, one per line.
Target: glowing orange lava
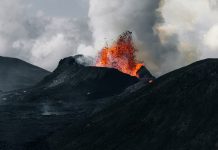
(121, 56)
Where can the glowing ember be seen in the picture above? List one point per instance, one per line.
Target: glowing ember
(150, 81)
(121, 56)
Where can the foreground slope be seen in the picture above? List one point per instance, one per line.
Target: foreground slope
(17, 74)
(178, 111)
(71, 94)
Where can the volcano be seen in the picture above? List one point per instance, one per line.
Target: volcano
(97, 82)
(177, 111)
(82, 107)
(72, 93)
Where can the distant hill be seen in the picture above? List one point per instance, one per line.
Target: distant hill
(17, 74)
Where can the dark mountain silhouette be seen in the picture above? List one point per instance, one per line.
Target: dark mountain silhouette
(91, 82)
(178, 111)
(72, 93)
(17, 74)
(88, 108)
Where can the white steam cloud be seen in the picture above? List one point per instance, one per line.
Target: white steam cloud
(168, 33)
(108, 19)
(195, 23)
(40, 39)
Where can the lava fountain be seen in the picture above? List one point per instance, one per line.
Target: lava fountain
(120, 55)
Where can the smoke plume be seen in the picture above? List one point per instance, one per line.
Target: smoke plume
(168, 33)
(110, 18)
(195, 25)
(39, 39)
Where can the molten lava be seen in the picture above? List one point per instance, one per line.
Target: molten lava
(121, 55)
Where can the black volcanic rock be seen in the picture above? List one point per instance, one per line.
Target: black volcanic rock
(71, 94)
(91, 82)
(17, 74)
(143, 73)
(178, 111)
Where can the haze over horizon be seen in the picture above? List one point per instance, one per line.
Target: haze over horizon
(43, 32)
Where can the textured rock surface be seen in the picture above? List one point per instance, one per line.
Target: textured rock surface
(177, 111)
(71, 94)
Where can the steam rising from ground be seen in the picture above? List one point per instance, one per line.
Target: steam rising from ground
(168, 33)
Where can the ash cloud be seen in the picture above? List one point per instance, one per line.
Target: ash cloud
(168, 33)
(196, 27)
(39, 39)
(213, 4)
(110, 18)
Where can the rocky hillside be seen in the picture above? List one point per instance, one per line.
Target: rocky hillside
(71, 94)
(17, 74)
(178, 111)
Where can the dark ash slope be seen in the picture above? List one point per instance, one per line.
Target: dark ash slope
(71, 94)
(179, 111)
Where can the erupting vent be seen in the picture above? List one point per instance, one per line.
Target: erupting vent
(121, 55)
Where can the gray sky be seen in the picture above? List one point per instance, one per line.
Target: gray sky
(43, 31)
(66, 8)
